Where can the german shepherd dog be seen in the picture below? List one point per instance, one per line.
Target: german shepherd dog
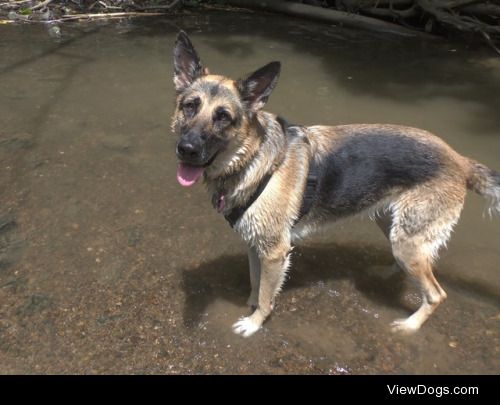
(276, 183)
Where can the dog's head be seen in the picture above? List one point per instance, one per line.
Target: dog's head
(212, 112)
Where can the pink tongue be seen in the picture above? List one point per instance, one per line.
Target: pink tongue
(188, 175)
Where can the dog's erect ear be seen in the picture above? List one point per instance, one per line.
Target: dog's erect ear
(187, 64)
(257, 87)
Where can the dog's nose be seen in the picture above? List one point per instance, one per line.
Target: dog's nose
(186, 150)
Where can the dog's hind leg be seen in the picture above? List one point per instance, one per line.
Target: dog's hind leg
(254, 267)
(421, 225)
(384, 222)
(272, 275)
(419, 266)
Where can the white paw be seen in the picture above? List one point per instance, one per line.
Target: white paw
(246, 327)
(405, 326)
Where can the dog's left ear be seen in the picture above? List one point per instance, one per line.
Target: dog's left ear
(187, 64)
(257, 87)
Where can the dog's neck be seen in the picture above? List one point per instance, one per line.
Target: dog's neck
(260, 153)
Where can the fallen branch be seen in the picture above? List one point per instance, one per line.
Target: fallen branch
(392, 13)
(14, 3)
(327, 15)
(487, 10)
(455, 3)
(41, 5)
(95, 16)
(369, 4)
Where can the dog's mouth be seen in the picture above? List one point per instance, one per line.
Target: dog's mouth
(188, 174)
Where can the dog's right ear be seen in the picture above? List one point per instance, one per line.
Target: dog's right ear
(257, 87)
(187, 64)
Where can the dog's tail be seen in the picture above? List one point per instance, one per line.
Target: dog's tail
(485, 182)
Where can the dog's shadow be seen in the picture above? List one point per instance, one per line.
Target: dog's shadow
(370, 268)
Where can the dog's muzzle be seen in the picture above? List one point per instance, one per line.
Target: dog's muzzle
(189, 151)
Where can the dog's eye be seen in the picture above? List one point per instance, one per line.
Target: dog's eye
(222, 115)
(190, 107)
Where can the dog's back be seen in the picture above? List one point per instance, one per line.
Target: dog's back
(360, 165)
(363, 164)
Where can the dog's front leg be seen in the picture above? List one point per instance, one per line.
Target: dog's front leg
(254, 267)
(272, 274)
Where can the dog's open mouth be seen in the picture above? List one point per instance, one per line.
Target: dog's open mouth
(187, 174)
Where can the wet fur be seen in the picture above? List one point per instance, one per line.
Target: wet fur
(412, 182)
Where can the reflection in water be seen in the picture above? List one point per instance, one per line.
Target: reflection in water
(106, 265)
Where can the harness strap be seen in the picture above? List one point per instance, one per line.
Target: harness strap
(235, 214)
(309, 193)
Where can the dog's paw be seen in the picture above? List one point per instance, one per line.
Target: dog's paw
(246, 327)
(405, 326)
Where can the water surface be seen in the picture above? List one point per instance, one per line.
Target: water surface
(108, 265)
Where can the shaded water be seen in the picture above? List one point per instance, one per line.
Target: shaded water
(108, 265)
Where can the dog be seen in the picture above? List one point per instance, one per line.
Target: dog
(276, 183)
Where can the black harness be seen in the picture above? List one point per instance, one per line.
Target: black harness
(309, 193)
(235, 214)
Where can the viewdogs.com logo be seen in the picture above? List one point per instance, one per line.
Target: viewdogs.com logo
(438, 392)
